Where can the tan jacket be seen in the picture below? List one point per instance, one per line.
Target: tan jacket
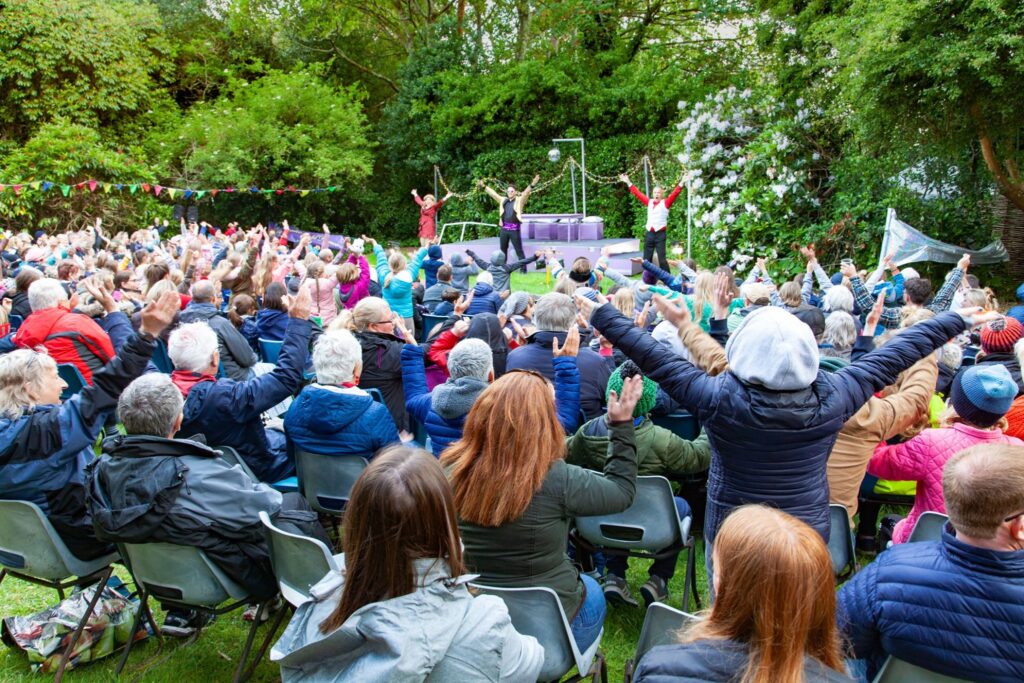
(520, 201)
(878, 420)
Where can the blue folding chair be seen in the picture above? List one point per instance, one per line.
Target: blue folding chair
(430, 321)
(375, 394)
(680, 423)
(73, 377)
(270, 349)
(16, 321)
(840, 543)
(662, 625)
(928, 527)
(161, 359)
(326, 480)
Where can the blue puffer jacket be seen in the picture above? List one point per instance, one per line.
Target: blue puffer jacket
(44, 452)
(271, 324)
(332, 421)
(772, 446)
(443, 431)
(229, 413)
(485, 300)
(945, 606)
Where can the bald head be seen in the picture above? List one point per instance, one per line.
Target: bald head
(983, 485)
(202, 292)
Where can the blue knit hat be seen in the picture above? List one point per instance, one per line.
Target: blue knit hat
(982, 394)
(434, 251)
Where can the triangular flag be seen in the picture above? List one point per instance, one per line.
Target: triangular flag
(157, 189)
(17, 189)
(278, 191)
(188, 193)
(213, 192)
(2, 188)
(66, 189)
(254, 189)
(303, 193)
(47, 185)
(34, 185)
(133, 188)
(332, 188)
(266, 191)
(92, 186)
(172, 192)
(200, 193)
(145, 187)
(106, 187)
(119, 187)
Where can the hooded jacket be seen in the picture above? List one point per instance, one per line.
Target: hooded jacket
(68, 337)
(499, 269)
(44, 452)
(594, 370)
(434, 260)
(461, 272)
(382, 369)
(771, 445)
(271, 323)
(439, 632)
(229, 413)
(235, 353)
(946, 606)
(714, 661)
(485, 300)
(347, 295)
(443, 411)
(147, 489)
(339, 421)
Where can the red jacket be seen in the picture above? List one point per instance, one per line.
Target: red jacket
(68, 338)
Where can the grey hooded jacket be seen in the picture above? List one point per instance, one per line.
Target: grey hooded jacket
(461, 272)
(235, 353)
(440, 632)
(499, 269)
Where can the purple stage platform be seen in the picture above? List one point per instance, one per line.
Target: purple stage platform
(622, 249)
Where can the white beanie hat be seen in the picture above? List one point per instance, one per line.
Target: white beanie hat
(666, 334)
(774, 349)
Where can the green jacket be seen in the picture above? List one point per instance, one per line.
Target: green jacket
(659, 451)
(530, 551)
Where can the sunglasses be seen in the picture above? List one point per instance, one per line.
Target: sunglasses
(1013, 517)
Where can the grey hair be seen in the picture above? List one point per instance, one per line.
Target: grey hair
(952, 356)
(840, 331)
(336, 356)
(485, 278)
(554, 312)
(17, 369)
(838, 298)
(470, 358)
(192, 346)
(203, 292)
(46, 293)
(150, 405)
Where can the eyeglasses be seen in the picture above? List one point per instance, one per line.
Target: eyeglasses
(389, 321)
(1013, 517)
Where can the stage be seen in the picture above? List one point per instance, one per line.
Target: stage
(622, 249)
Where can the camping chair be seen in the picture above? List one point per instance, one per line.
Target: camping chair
(430, 321)
(161, 359)
(661, 625)
(31, 550)
(537, 612)
(73, 377)
(649, 528)
(681, 423)
(840, 543)
(184, 577)
(270, 349)
(928, 527)
(897, 671)
(326, 480)
(299, 562)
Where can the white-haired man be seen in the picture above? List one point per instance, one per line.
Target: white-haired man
(657, 217)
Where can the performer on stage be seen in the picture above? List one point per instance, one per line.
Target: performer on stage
(657, 218)
(428, 216)
(510, 210)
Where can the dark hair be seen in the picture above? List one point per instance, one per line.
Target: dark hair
(26, 276)
(121, 277)
(400, 510)
(155, 272)
(65, 268)
(450, 295)
(274, 297)
(918, 289)
(444, 273)
(139, 255)
(241, 305)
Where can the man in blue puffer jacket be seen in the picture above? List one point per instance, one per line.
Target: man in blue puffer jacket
(953, 606)
(471, 369)
(772, 419)
(334, 416)
(485, 298)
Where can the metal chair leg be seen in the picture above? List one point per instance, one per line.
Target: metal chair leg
(692, 562)
(70, 648)
(241, 676)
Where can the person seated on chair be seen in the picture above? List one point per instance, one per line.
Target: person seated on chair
(401, 609)
(516, 496)
(334, 416)
(192, 495)
(229, 413)
(432, 294)
(45, 445)
(659, 452)
(774, 615)
(233, 350)
(953, 606)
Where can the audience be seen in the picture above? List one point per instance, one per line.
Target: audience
(401, 608)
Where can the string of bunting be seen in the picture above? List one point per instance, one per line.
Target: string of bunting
(155, 189)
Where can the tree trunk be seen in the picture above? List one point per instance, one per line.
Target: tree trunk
(1010, 211)
(523, 28)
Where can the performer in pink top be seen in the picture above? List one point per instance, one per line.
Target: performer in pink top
(657, 218)
(428, 214)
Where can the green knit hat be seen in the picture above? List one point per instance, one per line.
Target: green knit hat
(647, 398)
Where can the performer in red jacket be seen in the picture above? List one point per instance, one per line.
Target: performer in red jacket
(657, 218)
(428, 216)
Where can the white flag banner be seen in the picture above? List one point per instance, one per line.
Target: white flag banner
(912, 246)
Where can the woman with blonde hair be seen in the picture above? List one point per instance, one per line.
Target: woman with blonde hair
(321, 291)
(515, 495)
(773, 620)
(396, 275)
(400, 610)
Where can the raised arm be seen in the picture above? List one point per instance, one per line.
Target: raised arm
(638, 194)
(672, 196)
(414, 383)
(417, 262)
(944, 297)
(567, 380)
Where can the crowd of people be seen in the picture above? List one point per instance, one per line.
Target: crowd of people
(489, 432)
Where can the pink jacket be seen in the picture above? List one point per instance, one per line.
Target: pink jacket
(321, 290)
(348, 295)
(922, 458)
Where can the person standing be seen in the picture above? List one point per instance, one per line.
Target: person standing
(510, 210)
(657, 217)
(429, 206)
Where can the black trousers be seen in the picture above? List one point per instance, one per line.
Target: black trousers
(655, 241)
(517, 243)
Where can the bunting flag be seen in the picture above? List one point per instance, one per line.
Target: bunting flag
(187, 193)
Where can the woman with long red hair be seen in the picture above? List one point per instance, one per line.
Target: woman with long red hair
(515, 495)
(773, 620)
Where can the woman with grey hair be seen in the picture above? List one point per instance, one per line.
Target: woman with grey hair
(839, 335)
(333, 416)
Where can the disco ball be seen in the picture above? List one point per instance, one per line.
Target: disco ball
(554, 154)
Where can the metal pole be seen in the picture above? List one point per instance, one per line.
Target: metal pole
(689, 215)
(572, 174)
(647, 177)
(436, 173)
(583, 170)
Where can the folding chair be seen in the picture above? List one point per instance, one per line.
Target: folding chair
(299, 562)
(375, 394)
(184, 577)
(897, 671)
(161, 359)
(430, 321)
(270, 349)
(537, 612)
(840, 543)
(680, 423)
(326, 480)
(650, 528)
(661, 625)
(232, 456)
(15, 321)
(928, 527)
(72, 377)
(31, 550)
